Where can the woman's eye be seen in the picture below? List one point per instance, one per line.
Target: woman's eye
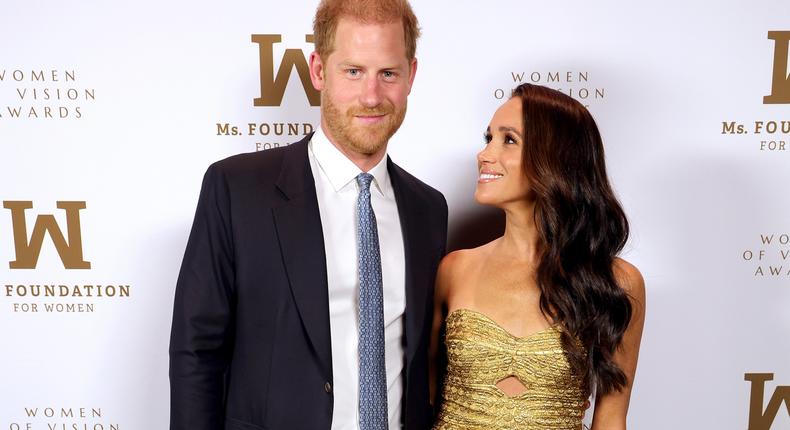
(486, 138)
(509, 140)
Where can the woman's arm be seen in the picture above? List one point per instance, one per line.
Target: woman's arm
(611, 409)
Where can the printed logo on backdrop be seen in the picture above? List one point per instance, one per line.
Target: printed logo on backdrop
(761, 415)
(577, 84)
(770, 258)
(273, 89)
(770, 134)
(27, 251)
(61, 418)
(274, 77)
(34, 296)
(43, 94)
(780, 83)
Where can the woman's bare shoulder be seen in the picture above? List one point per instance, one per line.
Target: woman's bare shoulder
(630, 279)
(458, 265)
(461, 260)
(452, 263)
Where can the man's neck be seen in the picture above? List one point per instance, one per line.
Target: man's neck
(365, 162)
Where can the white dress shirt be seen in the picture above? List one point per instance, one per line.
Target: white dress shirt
(337, 191)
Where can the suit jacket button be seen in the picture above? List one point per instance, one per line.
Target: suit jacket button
(328, 387)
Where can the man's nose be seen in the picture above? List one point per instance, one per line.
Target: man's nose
(371, 92)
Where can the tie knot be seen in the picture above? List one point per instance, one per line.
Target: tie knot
(364, 180)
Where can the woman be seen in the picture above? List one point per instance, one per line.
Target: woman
(541, 317)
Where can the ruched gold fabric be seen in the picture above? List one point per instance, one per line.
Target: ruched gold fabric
(480, 353)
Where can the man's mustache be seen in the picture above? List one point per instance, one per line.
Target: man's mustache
(375, 111)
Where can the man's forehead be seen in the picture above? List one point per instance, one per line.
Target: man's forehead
(349, 30)
(347, 20)
(357, 42)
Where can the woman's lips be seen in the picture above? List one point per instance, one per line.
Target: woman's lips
(485, 177)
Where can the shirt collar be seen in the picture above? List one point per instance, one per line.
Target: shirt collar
(341, 171)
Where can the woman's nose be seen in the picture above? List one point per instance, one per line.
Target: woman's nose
(485, 155)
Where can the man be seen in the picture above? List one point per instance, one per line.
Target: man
(303, 296)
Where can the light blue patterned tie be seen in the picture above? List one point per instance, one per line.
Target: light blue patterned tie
(372, 369)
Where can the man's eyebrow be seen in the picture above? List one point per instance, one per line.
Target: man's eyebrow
(354, 65)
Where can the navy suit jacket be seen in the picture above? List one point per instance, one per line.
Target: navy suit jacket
(250, 343)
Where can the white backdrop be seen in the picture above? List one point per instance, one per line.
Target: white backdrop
(153, 81)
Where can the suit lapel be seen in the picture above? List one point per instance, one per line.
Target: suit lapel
(298, 224)
(417, 256)
(301, 238)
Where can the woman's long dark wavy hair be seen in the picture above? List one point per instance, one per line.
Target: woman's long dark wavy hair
(582, 228)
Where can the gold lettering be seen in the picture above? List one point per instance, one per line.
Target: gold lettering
(760, 419)
(273, 88)
(27, 252)
(780, 86)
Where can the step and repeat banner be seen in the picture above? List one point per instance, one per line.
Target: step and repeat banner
(111, 112)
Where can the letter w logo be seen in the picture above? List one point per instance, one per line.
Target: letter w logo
(27, 252)
(273, 89)
(760, 419)
(780, 89)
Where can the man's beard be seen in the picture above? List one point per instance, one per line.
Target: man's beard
(360, 138)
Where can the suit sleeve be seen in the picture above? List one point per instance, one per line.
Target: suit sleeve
(441, 350)
(201, 337)
(444, 223)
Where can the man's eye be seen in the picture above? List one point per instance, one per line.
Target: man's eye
(353, 72)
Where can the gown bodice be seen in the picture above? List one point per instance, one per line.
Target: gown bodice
(480, 353)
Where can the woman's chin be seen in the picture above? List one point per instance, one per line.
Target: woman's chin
(486, 199)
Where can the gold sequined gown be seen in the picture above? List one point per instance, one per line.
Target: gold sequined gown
(480, 353)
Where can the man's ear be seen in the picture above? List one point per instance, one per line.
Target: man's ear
(412, 72)
(316, 71)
